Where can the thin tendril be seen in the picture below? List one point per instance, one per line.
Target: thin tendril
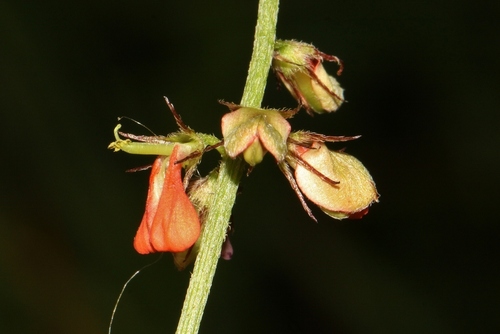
(125, 286)
(136, 122)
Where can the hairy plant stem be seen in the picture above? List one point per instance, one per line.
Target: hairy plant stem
(230, 172)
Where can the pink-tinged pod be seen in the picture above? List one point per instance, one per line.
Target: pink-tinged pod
(352, 190)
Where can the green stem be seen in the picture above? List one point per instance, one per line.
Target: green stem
(263, 46)
(230, 172)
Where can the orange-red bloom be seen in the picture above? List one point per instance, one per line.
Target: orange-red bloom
(170, 222)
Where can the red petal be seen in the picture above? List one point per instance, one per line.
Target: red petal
(142, 243)
(176, 225)
(359, 214)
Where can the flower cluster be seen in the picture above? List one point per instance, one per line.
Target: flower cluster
(335, 181)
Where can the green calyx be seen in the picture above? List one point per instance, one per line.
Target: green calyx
(254, 131)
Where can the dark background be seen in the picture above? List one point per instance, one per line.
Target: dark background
(422, 81)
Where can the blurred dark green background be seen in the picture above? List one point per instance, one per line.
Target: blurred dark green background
(422, 81)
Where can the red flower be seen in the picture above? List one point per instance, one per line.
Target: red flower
(170, 222)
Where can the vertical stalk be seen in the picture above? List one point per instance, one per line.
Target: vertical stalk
(230, 172)
(263, 46)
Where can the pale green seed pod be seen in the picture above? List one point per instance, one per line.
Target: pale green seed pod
(299, 66)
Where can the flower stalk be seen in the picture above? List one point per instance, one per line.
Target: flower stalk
(230, 171)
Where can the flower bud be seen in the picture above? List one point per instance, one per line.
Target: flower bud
(200, 192)
(299, 66)
(170, 222)
(254, 132)
(227, 249)
(348, 189)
